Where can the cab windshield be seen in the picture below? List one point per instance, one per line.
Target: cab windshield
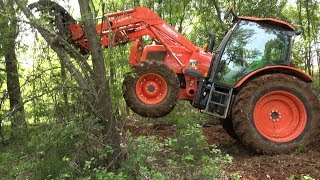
(252, 45)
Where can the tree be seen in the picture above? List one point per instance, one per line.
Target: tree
(308, 21)
(92, 81)
(103, 100)
(9, 32)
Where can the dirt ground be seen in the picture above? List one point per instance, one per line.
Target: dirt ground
(303, 162)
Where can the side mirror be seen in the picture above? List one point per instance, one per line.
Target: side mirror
(298, 32)
(212, 39)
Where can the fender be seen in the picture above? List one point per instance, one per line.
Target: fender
(275, 69)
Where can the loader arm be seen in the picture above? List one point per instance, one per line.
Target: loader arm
(126, 26)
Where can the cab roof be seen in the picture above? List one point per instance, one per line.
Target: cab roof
(281, 23)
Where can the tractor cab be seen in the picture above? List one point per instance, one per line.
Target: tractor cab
(250, 45)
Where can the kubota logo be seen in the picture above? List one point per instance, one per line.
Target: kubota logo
(172, 32)
(122, 19)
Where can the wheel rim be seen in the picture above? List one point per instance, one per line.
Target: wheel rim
(151, 88)
(280, 116)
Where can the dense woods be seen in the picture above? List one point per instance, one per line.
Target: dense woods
(62, 113)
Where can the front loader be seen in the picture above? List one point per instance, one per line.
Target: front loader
(249, 82)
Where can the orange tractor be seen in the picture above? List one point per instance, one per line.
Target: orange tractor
(249, 82)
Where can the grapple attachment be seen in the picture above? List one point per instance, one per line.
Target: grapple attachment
(60, 18)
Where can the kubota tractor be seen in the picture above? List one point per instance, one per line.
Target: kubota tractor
(249, 81)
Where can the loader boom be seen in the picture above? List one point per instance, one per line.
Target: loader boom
(129, 25)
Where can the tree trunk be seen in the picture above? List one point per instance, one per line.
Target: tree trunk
(2, 99)
(18, 123)
(218, 9)
(318, 61)
(182, 18)
(309, 59)
(113, 80)
(103, 105)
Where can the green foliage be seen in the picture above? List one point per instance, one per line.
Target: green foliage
(187, 155)
(102, 173)
(262, 8)
(59, 150)
(190, 143)
(75, 145)
(316, 84)
(235, 176)
(302, 149)
(16, 163)
(192, 151)
(290, 177)
(67, 150)
(141, 157)
(307, 177)
(117, 60)
(184, 114)
(302, 177)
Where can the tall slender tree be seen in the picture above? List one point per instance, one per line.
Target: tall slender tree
(92, 81)
(101, 84)
(9, 33)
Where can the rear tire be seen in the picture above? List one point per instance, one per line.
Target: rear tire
(276, 113)
(151, 89)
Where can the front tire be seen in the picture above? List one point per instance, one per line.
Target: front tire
(276, 113)
(151, 89)
(227, 125)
